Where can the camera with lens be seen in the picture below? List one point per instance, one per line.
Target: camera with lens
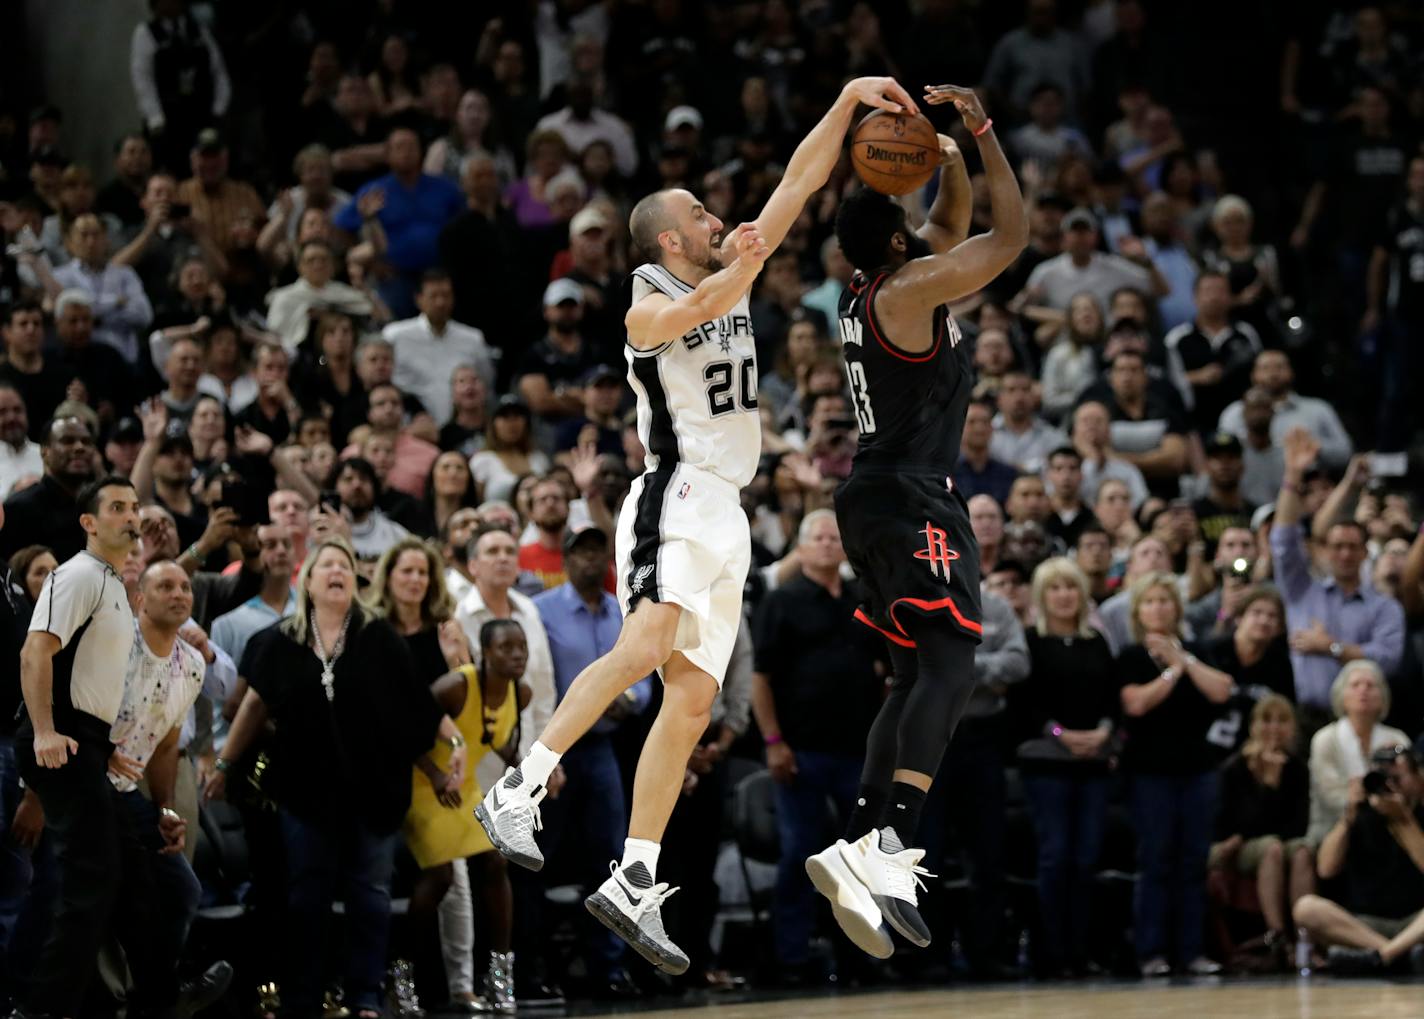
(1379, 780)
(1240, 568)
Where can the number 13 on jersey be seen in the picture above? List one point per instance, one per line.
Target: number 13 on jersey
(855, 372)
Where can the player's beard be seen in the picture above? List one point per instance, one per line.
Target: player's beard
(710, 258)
(916, 247)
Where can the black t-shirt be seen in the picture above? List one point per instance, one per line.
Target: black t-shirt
(277, 428)
(821, 666)
(455, 436)
(1403, 239)
(42, 392)
(121, 201)
(337, 133)
(1171, 738)
(1068, 531)
(566, 436)
(477, 252)
(1271, 674)
(43, 514)
(1234, 350)
(1364, 183)
(558, 366)
(351, 755)
(430, 662)
(1380, 878)
(1214, 518)
(1250, 809)
(105, 374)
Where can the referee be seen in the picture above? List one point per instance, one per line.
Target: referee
(72, 678)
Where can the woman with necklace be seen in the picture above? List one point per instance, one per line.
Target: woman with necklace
(350, 722)
(485, 703)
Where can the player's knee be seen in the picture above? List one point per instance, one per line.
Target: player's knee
(647, 637)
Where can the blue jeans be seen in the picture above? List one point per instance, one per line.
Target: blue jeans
(323, 857)
(592, 813)
(1173, 815)
(1068, 816)
(805, 828)
(178, 889)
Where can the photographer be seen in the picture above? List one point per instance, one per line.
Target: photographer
(1215, 606)
(1376, 848)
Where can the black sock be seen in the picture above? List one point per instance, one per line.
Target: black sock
(903, 811)
(869, 805)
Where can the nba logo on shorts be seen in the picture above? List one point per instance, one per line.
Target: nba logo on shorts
(686, 487)
(937, 551)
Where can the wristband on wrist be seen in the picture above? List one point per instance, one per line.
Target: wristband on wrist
(456, 742)
(222, 765)
(772, 740)
(1057, 730)
(198, 555)
(170, 812)
(988, 123)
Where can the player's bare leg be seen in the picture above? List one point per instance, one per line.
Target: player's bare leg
(509, 812)
(628, 902)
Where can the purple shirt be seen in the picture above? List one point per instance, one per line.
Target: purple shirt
(1366, 618)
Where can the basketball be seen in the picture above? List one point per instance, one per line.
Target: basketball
(895, 153)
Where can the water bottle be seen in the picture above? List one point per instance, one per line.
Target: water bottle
(1302, 951)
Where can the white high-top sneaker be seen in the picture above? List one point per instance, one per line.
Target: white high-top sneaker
(851, 902)
(891, 873)
(509, 814)
(628, 904)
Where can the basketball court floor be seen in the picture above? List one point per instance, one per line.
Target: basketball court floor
(1280, 998)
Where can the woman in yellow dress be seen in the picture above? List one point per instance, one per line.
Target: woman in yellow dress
(447, 842)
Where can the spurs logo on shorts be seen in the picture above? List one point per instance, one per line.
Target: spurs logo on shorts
(937, 551)
(639, 578)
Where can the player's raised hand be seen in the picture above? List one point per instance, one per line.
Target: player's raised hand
(965, 100)
(752, 249)
(881, 93)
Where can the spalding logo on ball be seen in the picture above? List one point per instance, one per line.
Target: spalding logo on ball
(895, 153)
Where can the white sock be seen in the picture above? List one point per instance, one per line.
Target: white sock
(644, 852)
(537, 766)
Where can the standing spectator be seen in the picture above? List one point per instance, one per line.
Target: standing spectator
(1165, 245)
(1272, 373)
(1046, 139)
(179, 78)
(580, 123)
(20, 457)
(1093, 554)
(165, 240)
(470, 136)
(1262, 460)
(1082, 267)
(1248, 644)
(590, 256)
(1040, 51)
(216, 200)
(600, 424)
(551, 368)
(121, 308)
(412, 208)
(276, 599)
(583, 621)
(40, 382)
(430, 347)
(1212, 352)
(1071, 696)
(464, 431)
(353, 133)
(509, 452)
(1091, 432)
(977, 472)
(1336, 620)
(71, 702)
(1021, 437)
(1071, 364)
(1222, 507)
(44, 513)
(1340, 752)
(340, 685)
(108, 383)
(550, 516)
(1260, 826)
(814, 694)
(546, 155)
(1251, 270)
(1173, 783)
(121, 197)
(1394, 308)
(372, 532)
(291, 308)
(1147, 431)
(315, 189)
(413, 456)
(449, 489)
(478, 246)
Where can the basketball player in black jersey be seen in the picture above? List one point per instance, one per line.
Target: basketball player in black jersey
(904, 526)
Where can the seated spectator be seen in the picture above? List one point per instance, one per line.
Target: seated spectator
(275, 408)
(1164, 241)
(548, 374)
(986, 519)
(1223, 506)
(226, 376)
(1071, 364)
(994, 357)
(814, 693)
(1021, 437)
(1263, 460)
(464, 432)
(470, 137)
(182, 369)
(372, 532)
(1374, 848)
(1071, 700)
(1332, 621)
(290, 309)
(600, 427)
(40, 381)
(549, 514)
(1147, 554)
(1272, 374)
(1113, 510)
(1213, 352)
(121, 197)
(314, 191)
(430, 347)
(509, 452)
(1146, 431)
(121, 308)
(1082, 267)
(190, 302)
(1261, 820)
(166, 240)
(379, 449)
(1251, 270)
(108, 384)
(777, 389)
(1046, 139)
(216, 200)
(978, 473)
(1067, 516)
(826, 297)
(1170, 698)
(449, 488)
(1340, 752)
(1091, 431)
(332, 660)
(1009, 579)
(413, 456)
(76, 197)
(29, 567)
(1233, 570)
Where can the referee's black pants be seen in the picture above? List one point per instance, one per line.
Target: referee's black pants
(105, 883)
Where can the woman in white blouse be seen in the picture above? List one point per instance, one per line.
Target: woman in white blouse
(1340, 752)
(509, 451)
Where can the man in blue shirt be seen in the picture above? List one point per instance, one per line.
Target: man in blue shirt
(583, 622)
(412, 208)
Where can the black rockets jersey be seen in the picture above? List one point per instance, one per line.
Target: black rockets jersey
(910, 407)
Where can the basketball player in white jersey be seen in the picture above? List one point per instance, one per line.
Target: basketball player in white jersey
(683, 545)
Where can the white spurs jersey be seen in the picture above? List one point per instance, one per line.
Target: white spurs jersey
(697, 394)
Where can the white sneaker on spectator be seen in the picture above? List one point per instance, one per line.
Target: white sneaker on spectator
(629, 905)
(509, 815)
(851, 902)
(891, 873)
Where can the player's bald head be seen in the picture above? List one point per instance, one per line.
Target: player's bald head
(650, 217)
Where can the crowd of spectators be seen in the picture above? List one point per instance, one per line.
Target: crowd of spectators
(347, 310)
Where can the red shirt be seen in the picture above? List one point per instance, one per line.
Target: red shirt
(548, 565)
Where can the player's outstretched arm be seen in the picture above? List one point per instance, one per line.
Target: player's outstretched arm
(947, 222)
(657, 319)
(811, 164)
(927, 282)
